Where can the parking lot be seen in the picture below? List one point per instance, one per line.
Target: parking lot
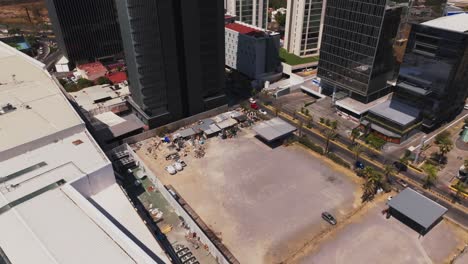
(372, 238)
(263, 203)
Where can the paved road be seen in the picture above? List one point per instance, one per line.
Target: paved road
(376, 160)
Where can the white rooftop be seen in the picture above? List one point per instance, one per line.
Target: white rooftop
(458, 23)
(86, 97)
(24, 84)
(359, 108)
(50, 170)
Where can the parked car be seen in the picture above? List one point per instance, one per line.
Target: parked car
(252, 101)
(171, 170)
(466, 106)
(400, 166)
(263, 112)
(402, 183)
(254, 106)
(178, 166)
(182, 163)
(359, 165)
(329, 218)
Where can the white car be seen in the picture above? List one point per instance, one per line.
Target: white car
(251, 100)
(171, 170)
(178, 166)
(466, 107)
(263, 112)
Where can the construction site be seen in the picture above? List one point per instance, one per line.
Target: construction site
(262, 203)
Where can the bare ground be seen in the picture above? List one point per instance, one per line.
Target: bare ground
(264, 203)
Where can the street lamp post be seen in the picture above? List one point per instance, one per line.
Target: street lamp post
(418, 153)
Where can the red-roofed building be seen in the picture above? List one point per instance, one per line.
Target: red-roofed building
(117, 77)
(92, 71)
(251, 50)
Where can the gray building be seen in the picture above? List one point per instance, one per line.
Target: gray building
(174, 51)
(85, 30)
(251, 50)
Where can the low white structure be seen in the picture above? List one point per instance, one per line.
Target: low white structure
(252, 12)
(304, 24)
(59, 202)
(62, 65)
(251, 50)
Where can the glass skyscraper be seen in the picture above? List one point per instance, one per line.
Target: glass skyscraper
(85, 30)
(356, 55)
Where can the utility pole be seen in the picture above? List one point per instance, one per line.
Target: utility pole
(418, 153)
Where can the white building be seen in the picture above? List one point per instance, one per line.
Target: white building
(251, 50)
(252, 12)
(59, 201)
(304, 23)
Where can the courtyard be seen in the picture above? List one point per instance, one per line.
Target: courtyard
(264, 203)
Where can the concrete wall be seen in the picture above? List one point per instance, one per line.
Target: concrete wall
(95, 182)
(176, 125)
(194, 227)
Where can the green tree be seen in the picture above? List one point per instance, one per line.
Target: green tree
(280, 19)
(354, 135)
(330, 134)
(310, 119)
(461, 188)
(444, 135)
(389, 170)
(431, 175)
(445, 146)
(84, 83)
(334, 124)
(275, 4)
(103, 80)
(357, 150)
(371, 184)
(465, 163)
(14, 31)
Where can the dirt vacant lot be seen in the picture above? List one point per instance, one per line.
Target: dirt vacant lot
(264, 203)
(372, 238)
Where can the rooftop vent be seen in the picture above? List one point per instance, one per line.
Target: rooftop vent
(7, 108)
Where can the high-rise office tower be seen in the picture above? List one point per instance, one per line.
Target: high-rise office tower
(303, 31)
(174, 51)
(434, 73)
(253, 12)
(356, 54)
(85, 30)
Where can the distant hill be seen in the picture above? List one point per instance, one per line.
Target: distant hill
(23, 12)
(17, 2)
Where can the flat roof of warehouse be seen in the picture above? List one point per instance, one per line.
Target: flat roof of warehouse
(41, 108)
(417, 207)
(273, 129)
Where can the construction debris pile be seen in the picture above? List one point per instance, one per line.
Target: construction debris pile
(193, 138)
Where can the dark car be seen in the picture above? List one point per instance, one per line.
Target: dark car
(400, 166)
(359, 165)
(329, 218)
(402, 183)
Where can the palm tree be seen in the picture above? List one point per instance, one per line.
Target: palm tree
(460, 187)
(389, 170)
(445, 146)
(299, 127)
(357, 150)
(354, 134)
(329, 135)
(310, 119)
(431, 175)
(373, 181)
